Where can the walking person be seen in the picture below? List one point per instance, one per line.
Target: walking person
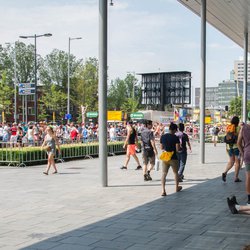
(149, 151)
(215, 132)
(51, 142)
(30, 135)
(169, 142)
(232, 132)
(182, 154)
(244, 148)
(130, 143)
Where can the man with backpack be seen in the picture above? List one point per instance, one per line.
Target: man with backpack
(230, 139)
(149, 151)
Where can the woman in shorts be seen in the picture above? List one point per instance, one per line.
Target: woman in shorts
(50, 141)
(233, 151)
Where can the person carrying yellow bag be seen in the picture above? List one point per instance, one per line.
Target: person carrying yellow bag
(170, 144)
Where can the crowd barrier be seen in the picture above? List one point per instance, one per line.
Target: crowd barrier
(11, 155)
(16, 155)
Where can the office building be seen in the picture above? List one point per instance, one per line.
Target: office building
(239, 70)
(166, 88)
(211, 97)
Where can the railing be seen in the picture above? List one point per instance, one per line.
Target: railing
(23, 156)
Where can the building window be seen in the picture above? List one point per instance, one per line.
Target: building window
(31, 111)
(30, 97)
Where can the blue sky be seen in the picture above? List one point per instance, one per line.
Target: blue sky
(144, 35)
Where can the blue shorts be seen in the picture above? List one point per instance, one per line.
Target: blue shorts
(233, 151)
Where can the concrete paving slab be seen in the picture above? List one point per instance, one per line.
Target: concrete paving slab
(71, 211)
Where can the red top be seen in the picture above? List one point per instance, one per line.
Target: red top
(13, 130)
(73, 134)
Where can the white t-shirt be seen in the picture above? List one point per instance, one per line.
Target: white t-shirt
(112, 133)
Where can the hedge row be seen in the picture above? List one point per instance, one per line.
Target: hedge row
(34, 155)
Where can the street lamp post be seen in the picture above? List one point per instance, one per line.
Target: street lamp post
(68, 102)
(35, 73)
(15, 83)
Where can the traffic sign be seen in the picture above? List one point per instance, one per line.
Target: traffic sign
(68, 117)
(92, 114)
(26, 85)
(25, 91)
(137, 115)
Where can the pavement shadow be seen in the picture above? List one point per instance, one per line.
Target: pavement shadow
(197, 218)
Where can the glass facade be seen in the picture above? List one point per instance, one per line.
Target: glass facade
(211, 97)
(164, 88)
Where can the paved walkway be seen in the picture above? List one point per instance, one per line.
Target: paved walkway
(71, 211)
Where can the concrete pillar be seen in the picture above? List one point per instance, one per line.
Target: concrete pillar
(244, 99)
(203, 81)
(102, 91)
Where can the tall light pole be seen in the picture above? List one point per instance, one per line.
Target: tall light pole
(15, 82)
(35, 73)
(68, 103)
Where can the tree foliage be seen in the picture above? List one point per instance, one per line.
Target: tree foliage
(52, 71)
(235, 107)
(5, 94)
(86, 85)
(55, 100)
(25, 62)
(54, 68)
(124, 94)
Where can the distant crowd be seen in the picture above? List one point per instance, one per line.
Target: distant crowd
(34, 133)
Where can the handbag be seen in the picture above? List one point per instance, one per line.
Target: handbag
(166, 156)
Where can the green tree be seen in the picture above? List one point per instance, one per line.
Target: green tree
(54, 69)
(235, 107)
(130, 105)
(85, 88)
(117, 94)
(124, 94)
(6, 94)
(25, 62)
(54, 100)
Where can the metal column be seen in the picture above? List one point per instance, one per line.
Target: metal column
(35, 96)
(68, 95)
(203, 81)
(102, 91)
(244, 108)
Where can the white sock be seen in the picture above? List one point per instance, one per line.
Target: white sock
(237, 207)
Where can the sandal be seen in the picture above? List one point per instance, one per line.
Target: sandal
(179, 189)
(45, 173)
(164, 194)
(54, 172)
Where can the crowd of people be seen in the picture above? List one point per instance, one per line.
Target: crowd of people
(33, 134)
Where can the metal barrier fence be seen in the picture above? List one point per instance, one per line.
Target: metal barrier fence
(23, 156)
(12, 154)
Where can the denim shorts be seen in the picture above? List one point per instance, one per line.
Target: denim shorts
(247, 166)
(233, 151)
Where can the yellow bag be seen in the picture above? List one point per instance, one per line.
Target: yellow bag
(166, 156)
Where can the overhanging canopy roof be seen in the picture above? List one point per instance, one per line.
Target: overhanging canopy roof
(231, 17)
